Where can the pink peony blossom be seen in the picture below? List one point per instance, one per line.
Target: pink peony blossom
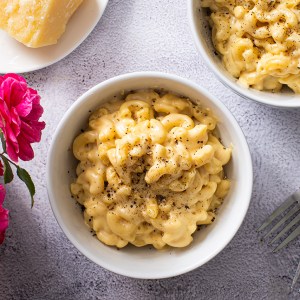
(20, 112)
(3, 215)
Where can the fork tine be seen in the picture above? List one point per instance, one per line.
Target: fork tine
(286, 228)
(290, 238)
(296, 276)
(286, 204)
(283, 220)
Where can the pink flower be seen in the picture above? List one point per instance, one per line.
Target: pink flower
(20, 112)
(3, 215)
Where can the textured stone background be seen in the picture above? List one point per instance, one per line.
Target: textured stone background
(38, 262)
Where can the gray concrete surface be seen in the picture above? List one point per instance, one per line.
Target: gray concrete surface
(38, 262)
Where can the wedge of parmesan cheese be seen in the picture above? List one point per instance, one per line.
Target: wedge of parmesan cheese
(36, 23)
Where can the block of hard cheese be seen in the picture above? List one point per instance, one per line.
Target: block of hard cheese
(36, 23)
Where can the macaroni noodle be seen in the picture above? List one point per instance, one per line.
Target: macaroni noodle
(259, 41)
(150, 170)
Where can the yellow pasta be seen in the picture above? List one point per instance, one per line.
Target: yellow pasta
(150, 170)
(259, 41)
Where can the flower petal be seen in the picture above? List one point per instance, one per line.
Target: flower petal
(25, 106)
(13, 91)
(26, 152)
(37, 109)
(15, 76)
(4, 217)
(4, 111)
(12, 145)
(2, 194)
(15, 123)
(32, 131)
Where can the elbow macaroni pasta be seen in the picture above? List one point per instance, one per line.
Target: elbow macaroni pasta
(259, 41)
(150, 170)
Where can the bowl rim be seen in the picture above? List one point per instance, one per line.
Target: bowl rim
(146, 74)
(243, 92)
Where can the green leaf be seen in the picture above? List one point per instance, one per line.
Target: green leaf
(3, 141)
(8, 174)
(25, 177)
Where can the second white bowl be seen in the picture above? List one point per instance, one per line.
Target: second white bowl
(202, 36)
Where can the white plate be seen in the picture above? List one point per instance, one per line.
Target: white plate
(17, 58)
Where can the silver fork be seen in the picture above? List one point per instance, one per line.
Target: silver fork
(286, 222)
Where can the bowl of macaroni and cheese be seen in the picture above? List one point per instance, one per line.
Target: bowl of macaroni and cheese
(253, 47)
(148, 175)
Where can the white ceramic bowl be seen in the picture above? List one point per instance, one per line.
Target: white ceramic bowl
(146, 262)
(202, 35)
